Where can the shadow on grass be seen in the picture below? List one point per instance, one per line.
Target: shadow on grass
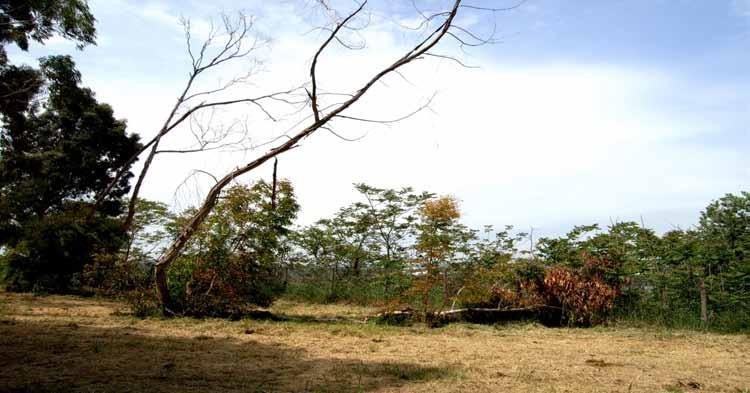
(52, 357)
(262, 315)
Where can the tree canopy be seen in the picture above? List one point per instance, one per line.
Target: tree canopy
(59, 146)
(22, 21)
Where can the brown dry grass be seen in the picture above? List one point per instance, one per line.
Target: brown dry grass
(60, 343)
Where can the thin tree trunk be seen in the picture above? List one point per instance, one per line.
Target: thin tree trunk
(357, 263)
(131, 240)
(273, 184)
(162, 290)
(386, 284)
(704, 302)
(334, 271)
(387, 270)
(137, 189)
(445, 288)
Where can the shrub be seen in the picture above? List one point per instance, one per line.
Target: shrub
(143, 302)
(54, 251)
(514, 285)
(109, 275)
(584, 300)
(227, 287)
(562, 295)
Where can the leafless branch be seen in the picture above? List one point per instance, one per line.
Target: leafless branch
(234, 46)
(313, 78)
(501, 9)
(334, 133)
(211, 137)
(390, 121)
(451, 58)
(479, 40)
(207, 174)
(442, 22)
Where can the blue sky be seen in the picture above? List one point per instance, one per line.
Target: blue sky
(585, 112)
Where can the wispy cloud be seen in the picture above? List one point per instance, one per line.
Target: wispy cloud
(527, 140)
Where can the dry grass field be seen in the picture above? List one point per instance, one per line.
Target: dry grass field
(57, 343)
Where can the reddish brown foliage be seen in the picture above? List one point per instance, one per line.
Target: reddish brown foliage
(527, 295)
(585, 300)
(563, 294)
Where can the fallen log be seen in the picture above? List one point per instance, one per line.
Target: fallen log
(472, 315)
(487, 315)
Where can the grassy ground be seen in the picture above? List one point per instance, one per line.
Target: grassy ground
(60, 343)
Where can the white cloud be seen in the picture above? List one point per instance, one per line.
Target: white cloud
(528, 145)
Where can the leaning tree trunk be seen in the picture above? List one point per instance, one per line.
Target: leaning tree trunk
(195, 222)
(320, 121)
(137, 188)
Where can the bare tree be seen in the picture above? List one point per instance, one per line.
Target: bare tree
(435, 27)
(231, 42)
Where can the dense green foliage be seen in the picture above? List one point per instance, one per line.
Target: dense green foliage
(236, 258)
(128, 271)
(361, 254)
(58, 147)
(585, 277)
(38, 20)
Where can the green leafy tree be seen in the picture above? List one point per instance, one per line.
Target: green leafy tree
(495, 247)
(362, 250)
(129, 269)
(352, 226)
(566, 250)
(58, 147)
(22, 21)
(149, 232)
(622, 251)
(683, 268)
(317, 268)
(724, 227)
(393, 216)
(493, 265)
(340, 251)
(234, 260)
(700, 277)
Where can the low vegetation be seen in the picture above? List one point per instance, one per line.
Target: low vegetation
(234, 295)
(409, 253)
(55, 343)
(67, 228)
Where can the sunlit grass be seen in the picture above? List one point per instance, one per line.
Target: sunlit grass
(59, 343)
